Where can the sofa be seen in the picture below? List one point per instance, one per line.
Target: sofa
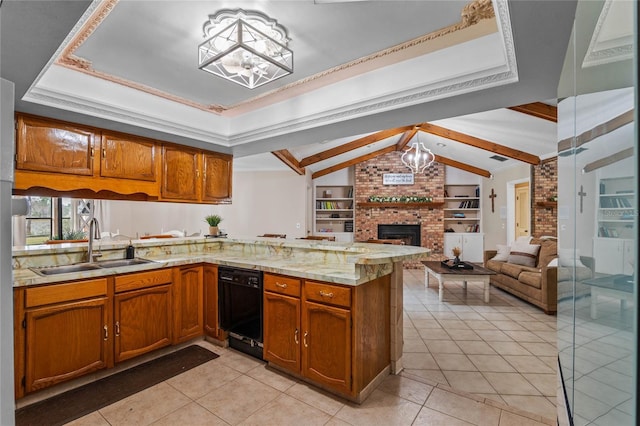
(535, 282)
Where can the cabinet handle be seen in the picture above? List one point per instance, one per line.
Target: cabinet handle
(295, 337)
(325, 294)
(117, 328)
(281, 285)
(92, 151)
(106, 332)
(304, 339)
(104, 153)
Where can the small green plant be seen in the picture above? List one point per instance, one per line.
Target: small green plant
(213, 219)
(72, 235)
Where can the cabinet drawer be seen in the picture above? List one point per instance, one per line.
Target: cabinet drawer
(283, 285)
(57, 293)
(142, 280)
(327, 293)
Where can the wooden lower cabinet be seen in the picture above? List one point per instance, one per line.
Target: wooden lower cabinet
(143, 321)
(143, 312)
(281, 324)
(61, 333)
(326, 340)
(335, 336)
(210, 296)
(54, 357)
(188, 303)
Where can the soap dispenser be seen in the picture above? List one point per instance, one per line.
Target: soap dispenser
(131, 251)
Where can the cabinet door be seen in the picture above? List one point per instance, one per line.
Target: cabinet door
(216, 183)
(142, 321)
(326, 339)
(65, 341)
(451, 240)
(282, 330)
(181, 174)
(52, 146)
(210, 294)
(128, 158)
(188, 303)
(608, 253)
(473, 247)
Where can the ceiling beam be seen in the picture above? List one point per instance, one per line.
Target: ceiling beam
(480, 143)
(538, 109)
(462, 166)
(353, 161)
(350, 146)
(406, 137)
(287, 158)
(599, 130)
(613, 158)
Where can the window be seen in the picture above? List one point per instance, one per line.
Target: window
(39, 220)
(51, 218)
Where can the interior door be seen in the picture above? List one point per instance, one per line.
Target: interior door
(523, 210)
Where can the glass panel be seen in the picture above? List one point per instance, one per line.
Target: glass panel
(597, 216)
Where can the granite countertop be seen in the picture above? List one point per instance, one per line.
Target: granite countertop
(343, 263)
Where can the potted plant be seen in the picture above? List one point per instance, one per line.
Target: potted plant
(213, 220)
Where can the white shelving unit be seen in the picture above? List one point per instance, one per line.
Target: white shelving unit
(463, 220)
(613, 246)
(462, 211)
(615, 208)
(334, 211)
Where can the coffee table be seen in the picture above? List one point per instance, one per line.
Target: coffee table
(443, 273)
(615, 286)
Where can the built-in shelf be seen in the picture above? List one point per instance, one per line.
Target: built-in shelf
(333, 213)
(370, 204)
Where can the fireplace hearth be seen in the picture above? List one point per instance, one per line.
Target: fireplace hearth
(410, 234)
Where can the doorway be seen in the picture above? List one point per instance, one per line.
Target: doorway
(522, 210)
(511, 208)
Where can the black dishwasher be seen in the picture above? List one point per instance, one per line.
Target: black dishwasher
(240, 307)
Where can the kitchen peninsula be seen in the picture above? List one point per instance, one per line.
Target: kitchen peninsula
(341, 300)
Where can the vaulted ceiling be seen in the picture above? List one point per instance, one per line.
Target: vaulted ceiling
(469, 80)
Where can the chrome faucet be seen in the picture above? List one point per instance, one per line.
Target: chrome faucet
(94, 233)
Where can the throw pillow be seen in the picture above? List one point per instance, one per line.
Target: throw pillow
(570, 258)
(503, 253)
(554, 262)
(524, 254)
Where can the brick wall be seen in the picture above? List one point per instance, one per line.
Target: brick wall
(545, 185)
(368, 181)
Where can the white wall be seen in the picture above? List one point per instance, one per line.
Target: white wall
(263, 202)
(7, 405)
(495, 226)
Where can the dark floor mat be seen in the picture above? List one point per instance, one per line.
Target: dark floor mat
(81, 401)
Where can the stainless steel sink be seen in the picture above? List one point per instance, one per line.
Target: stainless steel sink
(65, 269)
(115, 263)
(80, 267)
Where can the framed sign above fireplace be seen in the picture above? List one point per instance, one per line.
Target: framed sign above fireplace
(397, 179)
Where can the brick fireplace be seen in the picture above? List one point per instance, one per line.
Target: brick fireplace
(409, 234)
(429, 219)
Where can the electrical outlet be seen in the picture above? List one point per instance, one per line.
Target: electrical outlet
(298, 225)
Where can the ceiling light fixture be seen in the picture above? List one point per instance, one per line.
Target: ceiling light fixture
(245, 47)
(417, 157)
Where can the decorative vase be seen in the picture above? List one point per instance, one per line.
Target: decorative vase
(213, 230)
(456, 261)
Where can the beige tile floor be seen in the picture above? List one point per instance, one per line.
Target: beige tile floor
(467, 363)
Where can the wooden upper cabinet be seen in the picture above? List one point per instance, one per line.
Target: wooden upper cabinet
(181, 173)
(128, 157)
(217, 170)
(59, 156)
(54, 146)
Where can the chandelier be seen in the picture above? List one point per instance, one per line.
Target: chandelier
(417, 157)
(245, 47)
